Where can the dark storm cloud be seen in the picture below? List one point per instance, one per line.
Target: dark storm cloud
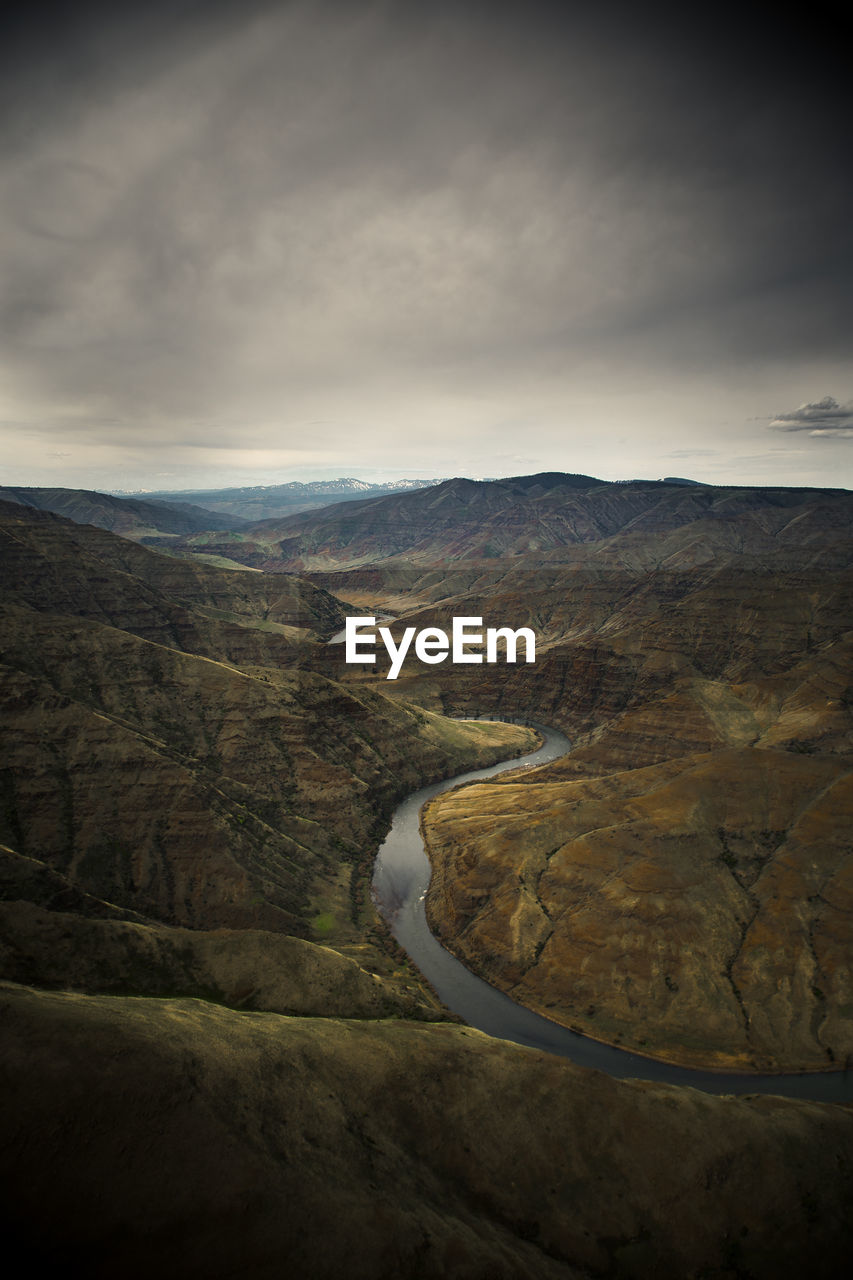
(823, 418)
(221, 213)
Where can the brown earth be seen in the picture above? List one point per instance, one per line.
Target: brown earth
(695, 928)
(191, 789)
(686, 893)
(185, 1139)
(181, 785)
(697, 911)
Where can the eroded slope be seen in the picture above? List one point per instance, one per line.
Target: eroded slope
(228, 1143)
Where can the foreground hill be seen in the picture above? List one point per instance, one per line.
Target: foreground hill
(178, 1138)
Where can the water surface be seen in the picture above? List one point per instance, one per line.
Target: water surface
(401, 877)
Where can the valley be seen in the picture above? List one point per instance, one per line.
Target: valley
(194, 786)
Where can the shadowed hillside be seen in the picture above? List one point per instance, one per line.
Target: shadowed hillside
(165, 748)
(214, 1060)
(228, 1143)
(131, 517)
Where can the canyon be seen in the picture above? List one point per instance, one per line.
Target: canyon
(194, 785)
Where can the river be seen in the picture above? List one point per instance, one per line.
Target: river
(401, 877)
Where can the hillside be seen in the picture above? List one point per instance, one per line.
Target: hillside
(55, 566)
(214, 1059)
(679, 885)
(180, 1138)
(550, 519)
(130, 517)
(166, 750)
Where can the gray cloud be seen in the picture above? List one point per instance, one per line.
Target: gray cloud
(226, 222)
(825, 417)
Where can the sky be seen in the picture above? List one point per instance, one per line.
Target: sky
(258, 242)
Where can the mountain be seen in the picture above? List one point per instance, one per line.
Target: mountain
(166, 748)
(261, 502)
(551, 518)
(57, 567)
(130, 517)
(216, 1061)
(699, 658)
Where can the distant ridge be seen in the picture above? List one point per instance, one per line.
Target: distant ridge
(546, 480)
(550, 517)
(268, 501)
(130, 517)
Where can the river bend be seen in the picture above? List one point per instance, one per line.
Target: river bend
(401, 878)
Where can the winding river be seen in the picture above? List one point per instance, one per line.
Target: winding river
(401, 877)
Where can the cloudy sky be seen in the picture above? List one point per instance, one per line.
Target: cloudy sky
(246, 243)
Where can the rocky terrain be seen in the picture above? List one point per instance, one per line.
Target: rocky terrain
(697, 910)
(214, 1061)
(165, 748)
(680, 884)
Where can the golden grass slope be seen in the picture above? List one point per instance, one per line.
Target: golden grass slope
(696, 910)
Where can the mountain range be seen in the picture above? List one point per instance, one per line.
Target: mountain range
(550, 518)
(263, 501)
(695, 645)
(217, 1061)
